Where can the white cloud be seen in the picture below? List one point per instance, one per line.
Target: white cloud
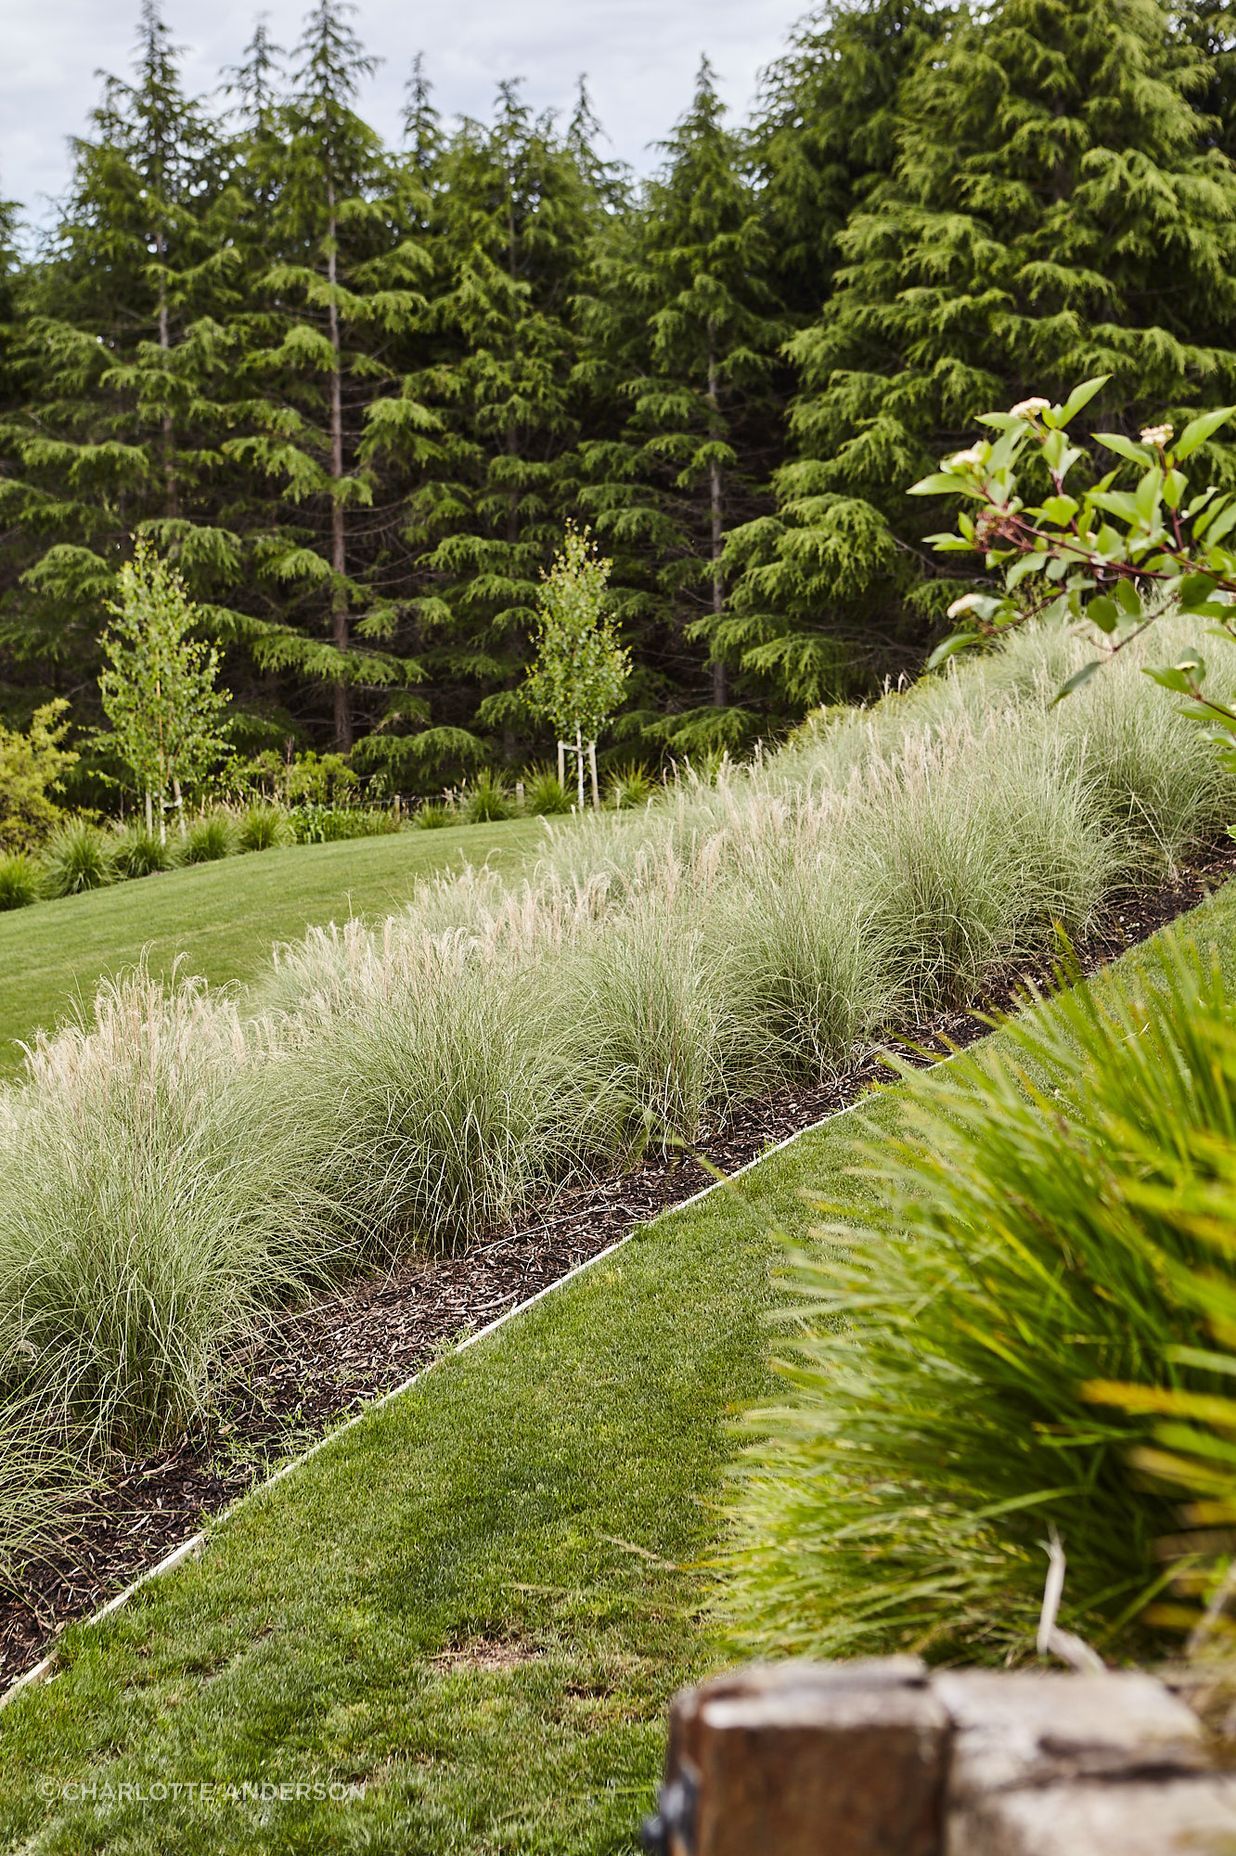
(639, 55)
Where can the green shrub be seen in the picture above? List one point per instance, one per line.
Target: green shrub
(32, 769)
(209, 838)
(138, 852)
(1028, 1232)
(434, 814)
(630, 787)
(544, 793)
(487, 799)
(77, 857)
(263, 828)
(320, 824)
(21, 881)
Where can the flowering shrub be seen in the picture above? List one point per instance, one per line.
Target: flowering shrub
(1115, 554)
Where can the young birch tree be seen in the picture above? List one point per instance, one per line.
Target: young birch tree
(581, 667)
(159, 686)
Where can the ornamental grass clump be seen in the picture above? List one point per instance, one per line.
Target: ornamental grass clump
(77, 857)
(21, 881)
(1027, 1231)
(147, 1214)
(423, 1086)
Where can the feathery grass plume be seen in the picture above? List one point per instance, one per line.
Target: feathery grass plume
(1028, 1230)
(147, 1212)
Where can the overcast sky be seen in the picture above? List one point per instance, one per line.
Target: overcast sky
(639, 55)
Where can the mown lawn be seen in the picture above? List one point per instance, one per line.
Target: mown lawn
(474, 1606)
(222, 917)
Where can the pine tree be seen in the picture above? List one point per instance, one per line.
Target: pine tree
(682, 299)
(1057, 211)
(322, 371)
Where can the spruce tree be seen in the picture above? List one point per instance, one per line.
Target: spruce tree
(683, 328)
(1058, 210)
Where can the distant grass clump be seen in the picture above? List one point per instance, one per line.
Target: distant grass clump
(209, 838)
(488, 799)
(630, 787)
(262, 827)
(1029, 1233)
(137, 852)
(78, 857)
(544, 793)
(332, 824)
(21, 880)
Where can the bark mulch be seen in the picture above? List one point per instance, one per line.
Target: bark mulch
(317, 1364)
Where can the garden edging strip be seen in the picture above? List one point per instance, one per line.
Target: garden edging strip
(195, 1545)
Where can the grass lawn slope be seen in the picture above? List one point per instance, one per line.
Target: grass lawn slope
(472, 1607)
(224, 917)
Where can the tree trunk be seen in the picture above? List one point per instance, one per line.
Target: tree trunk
(171, 500)
(338, 533)
(579, 763)
(720, 683)
(149, 813)
(592, 765)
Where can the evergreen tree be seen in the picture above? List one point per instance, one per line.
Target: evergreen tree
(1057, 210)
(827, 129)
(511, 215)
(324, 390)
(120, 359)
(683, 299)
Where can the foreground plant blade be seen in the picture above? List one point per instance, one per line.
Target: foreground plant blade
(1025, 1236)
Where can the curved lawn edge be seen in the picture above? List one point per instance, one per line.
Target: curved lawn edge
(196, 1543)
(475, 1610)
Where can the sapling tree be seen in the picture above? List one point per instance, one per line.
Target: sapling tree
(1116, 549)
(580, 674)
(159, 687)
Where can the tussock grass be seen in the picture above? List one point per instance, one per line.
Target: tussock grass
(167, 1171)
(1029, 1231)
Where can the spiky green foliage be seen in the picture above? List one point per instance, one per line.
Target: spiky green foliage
(1027, 1232)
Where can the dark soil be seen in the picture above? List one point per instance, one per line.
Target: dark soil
(318, 1364)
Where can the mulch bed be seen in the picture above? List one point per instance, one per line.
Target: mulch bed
(318, 1364)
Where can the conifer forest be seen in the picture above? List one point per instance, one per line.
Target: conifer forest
(355, 392)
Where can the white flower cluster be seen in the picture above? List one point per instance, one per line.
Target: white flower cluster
(1156, 434)
(1028, 409)
(967, 603)
(960, 460)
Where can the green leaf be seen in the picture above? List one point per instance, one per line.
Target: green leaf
(1103, 612)
(949, 648)
(940, 483)
(1183, 677)
(1077, 679)
(1125, 448)
(1081, 396)
(1060, 509)
(1199, 430)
